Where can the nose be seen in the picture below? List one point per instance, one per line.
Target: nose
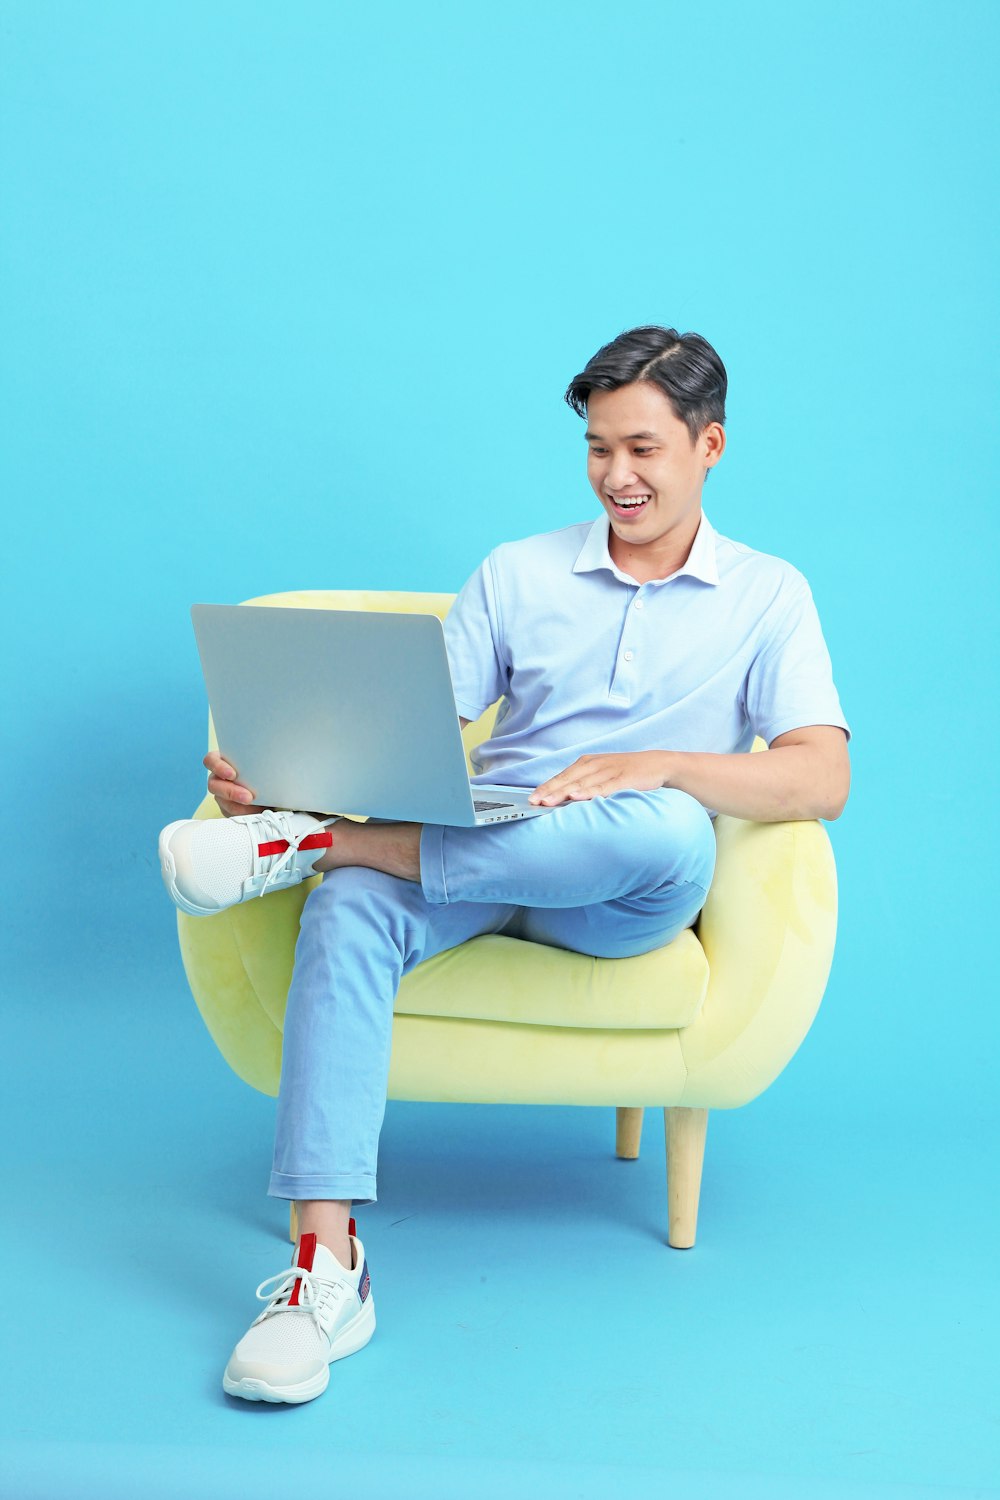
(620, 473)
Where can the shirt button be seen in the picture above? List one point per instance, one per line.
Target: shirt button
(638, 604)
(628, 655)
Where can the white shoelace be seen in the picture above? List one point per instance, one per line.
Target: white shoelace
(270, 823)
(315, 1294)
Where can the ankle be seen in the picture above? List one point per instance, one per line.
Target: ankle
(340, 851)
(393, 848)
(329, 1221)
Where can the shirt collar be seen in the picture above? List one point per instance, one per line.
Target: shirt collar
(701, 562)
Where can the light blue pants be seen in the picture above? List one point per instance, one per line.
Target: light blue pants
(611, 877)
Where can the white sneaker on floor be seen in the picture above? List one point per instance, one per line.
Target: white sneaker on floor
(316, 1312)
(211, 863)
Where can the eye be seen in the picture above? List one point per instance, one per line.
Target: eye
(642, 451)
(598, 452)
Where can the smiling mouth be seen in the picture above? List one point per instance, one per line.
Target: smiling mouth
(627, 506)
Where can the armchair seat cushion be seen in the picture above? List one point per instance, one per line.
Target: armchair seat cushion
(506, 979)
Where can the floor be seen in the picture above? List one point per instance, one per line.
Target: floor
(832, 1334)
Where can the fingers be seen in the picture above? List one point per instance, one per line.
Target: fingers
(579, 783)
(590, 776)
(216, 766)
(547, 793)
(603, 775)
(224, 785)
(575, 792)
(229, 805)
(230, 791)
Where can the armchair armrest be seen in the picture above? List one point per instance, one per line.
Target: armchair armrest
(768, 930)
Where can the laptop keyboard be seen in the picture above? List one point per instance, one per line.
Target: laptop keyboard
(489, 806)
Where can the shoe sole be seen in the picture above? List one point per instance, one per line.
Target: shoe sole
(352, 1337)
(168, 869)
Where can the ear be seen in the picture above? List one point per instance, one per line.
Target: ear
(713, 444)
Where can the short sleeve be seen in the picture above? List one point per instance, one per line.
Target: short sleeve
(790, 681)
(473, 633)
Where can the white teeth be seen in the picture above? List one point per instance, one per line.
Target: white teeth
(631, 502)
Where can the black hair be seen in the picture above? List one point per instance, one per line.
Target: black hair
(684, 366)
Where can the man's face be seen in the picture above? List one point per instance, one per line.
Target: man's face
(643, 466)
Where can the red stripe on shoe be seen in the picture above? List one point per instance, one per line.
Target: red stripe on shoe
(307, 1250)
(311, 841)
(352, 1228)
(321, 840)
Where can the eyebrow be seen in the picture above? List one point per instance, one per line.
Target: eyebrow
(596, 435)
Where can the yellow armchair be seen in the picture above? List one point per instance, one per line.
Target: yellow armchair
(707, 1022)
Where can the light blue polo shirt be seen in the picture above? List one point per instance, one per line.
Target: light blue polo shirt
(587, 660)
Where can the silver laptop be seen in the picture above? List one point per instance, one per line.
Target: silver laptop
(343, 711)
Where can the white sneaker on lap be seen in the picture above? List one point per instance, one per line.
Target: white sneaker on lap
(316, 1312)
(209, 864)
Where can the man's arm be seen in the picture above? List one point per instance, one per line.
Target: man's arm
(805, 773)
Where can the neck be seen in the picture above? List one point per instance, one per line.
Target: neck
(650, 560)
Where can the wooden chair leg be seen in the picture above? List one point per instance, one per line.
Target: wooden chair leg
(685, 1132)
(293, 1223)
(628, 1132)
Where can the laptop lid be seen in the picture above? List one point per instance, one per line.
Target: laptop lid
(336, 711)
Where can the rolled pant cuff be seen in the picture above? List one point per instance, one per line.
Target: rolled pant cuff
(356, 1189)
(432, 880)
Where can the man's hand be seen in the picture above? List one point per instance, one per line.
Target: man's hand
(600, 775)
(227, 789)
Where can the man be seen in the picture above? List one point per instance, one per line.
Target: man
(636, 658)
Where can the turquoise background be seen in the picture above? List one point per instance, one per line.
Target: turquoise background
(289, 298)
